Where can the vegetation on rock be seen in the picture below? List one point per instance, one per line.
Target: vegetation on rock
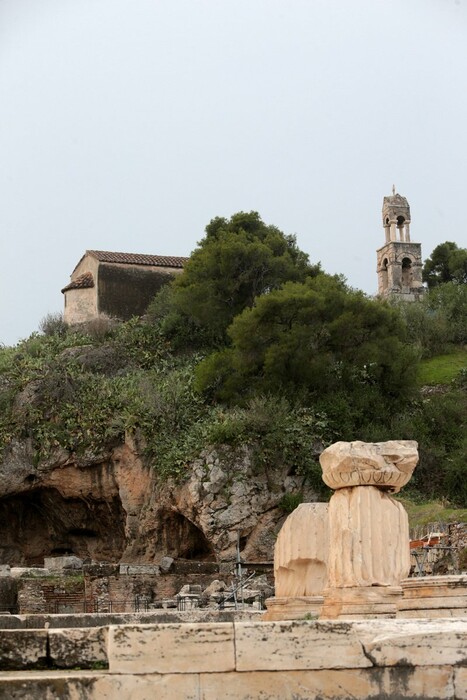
(250, 345)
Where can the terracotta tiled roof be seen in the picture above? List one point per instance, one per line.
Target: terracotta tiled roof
(137, 259)
(82, 282)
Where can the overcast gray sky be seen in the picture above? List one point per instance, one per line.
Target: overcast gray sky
(127, 125)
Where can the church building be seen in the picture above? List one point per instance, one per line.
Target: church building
(120, 285)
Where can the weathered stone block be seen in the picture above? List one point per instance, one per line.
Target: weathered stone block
(95, 685)
(277, 646)
(62, 563)
(419, 643)
(166, 563)
(139, 569)
(358, 684)
(434, 596)
(440, 683)
(432, 613)
(29, 572)
(301, 552)
(460, 683)
(172, 686)
(299, 608)
(22, 649)
(78, 648)
(370, 629)
(176, 648)
(360, 602)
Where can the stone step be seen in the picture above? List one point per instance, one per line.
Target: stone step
(238, 660)
(393, 683)
(54, 648)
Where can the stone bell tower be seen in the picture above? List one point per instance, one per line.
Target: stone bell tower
(399, 260)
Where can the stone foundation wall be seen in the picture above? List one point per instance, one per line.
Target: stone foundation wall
(52, 594)
(231, 660)
(108, 588)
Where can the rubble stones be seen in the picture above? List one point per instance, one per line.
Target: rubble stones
(165, 564)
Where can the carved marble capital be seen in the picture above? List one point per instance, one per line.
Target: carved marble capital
(386, 465)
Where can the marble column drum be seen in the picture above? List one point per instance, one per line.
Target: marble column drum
(368, 539)
(300, 564)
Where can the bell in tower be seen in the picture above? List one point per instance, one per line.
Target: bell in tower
(399, 260)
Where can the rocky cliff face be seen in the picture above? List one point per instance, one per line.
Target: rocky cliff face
(113, 507)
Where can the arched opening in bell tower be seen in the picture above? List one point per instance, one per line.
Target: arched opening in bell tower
(384, 274)
(407, 272)
(387, 229)
(401, 227)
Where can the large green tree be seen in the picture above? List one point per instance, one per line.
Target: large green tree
(315, 341)
(447, 263)
(238, 260)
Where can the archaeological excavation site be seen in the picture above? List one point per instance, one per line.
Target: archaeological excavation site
(233, 350)
(338, 605)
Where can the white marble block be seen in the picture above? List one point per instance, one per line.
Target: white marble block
(300, 553)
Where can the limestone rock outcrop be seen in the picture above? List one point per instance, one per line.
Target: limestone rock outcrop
(113, 506)
(224, 496)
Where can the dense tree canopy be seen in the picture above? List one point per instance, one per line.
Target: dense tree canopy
(448, 263)
(314, 340)
(238, 260)
(438, 322)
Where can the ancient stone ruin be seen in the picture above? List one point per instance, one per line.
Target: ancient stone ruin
(348, 558)
(351, 559)
(345, 559)
(368, 530)
(300, 564)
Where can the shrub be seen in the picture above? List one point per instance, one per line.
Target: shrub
(53, 324)
(99, 328)
(290, 501)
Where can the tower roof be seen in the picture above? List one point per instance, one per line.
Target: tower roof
(395, 200)
(394, 206)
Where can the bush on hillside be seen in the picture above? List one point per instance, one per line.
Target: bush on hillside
(439, 320)
(53, 324)
(313, 342)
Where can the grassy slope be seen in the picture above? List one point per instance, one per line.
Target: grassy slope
(421, 514)
(442, 369)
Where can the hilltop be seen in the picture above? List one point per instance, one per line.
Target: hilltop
(202, 422)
